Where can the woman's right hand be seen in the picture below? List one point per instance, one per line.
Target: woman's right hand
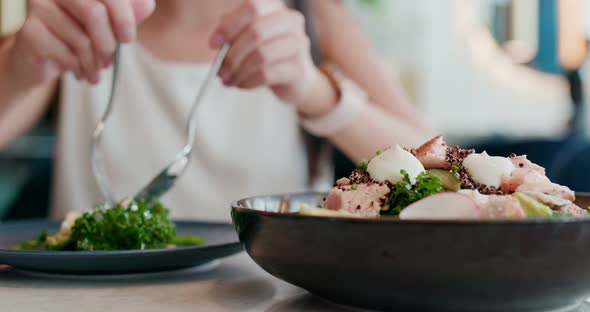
(79, 36)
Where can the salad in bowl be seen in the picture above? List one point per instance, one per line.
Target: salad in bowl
(436, 181)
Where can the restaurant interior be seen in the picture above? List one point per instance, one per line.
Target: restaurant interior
(500, 75)
(430, 227)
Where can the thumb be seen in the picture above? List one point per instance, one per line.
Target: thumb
(143, 9)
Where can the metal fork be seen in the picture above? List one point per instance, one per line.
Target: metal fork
(97, 156)
(162, 182)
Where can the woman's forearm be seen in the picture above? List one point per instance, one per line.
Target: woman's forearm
(376, 128)
(390, 118)
(345, 45)
(21, 105)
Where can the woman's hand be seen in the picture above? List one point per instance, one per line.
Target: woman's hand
(74, 35)
(269, 47)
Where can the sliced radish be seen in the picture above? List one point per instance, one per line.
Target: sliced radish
(442, 206)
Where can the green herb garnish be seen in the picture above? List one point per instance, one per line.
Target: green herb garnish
(138, 225)
(354, 186)
(404, 193)
(378, 152)
(455, 168)
(46, 242)
(362, 166)
(42, 236)
(188, 240)
(35, 244)
(559, 214)
(126, 226)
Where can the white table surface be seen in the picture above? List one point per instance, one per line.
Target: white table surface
(237, 284)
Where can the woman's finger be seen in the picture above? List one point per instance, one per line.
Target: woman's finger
(122, 19)
(275, 51)
(274, 74)
(71, 33)
(264, 29)
(94, 16)
(49, 53)
(236, 21)
(142, 9)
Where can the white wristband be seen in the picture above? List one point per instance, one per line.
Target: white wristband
(352, 100)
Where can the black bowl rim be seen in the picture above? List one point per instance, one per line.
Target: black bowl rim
(235, 206)
(145, 252)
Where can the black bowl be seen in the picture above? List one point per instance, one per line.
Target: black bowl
(520, 265)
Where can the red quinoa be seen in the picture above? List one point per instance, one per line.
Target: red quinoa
(359, 177)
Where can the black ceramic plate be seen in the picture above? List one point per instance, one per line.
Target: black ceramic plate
(221, 242)
(523, 265)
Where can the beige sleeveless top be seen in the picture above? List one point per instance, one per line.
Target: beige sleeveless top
(248, 142)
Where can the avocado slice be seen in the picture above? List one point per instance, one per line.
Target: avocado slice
(533, 207)
(449, 181)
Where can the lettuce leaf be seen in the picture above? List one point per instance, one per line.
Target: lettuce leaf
(404, 193)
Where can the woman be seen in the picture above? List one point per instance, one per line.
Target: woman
(249, 139)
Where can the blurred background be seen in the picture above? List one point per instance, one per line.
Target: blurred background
(500, 75)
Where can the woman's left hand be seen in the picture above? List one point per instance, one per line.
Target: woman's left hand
(269, 47)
